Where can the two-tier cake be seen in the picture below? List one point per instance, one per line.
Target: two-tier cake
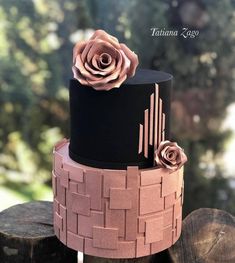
(118, 181)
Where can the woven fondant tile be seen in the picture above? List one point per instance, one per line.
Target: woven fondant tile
(178, 225)
(81, 204)
(142, 220)
(60, 192)
(170, 183)
(75, 241)
(81, 188)
(131, 214)
(59, 170)
(56, 206)
(124, 250)
(93, 184)
(132, 177)
(58, 162)
(177, 208)
(73, 187)
(163, 244)
(105, 237)
(64, 179)
(54, 187)
(58, 220)
(180, 183)
(169, 200)
(75, 173)
(63, 229)
(150, 199)
(154, 230)
(72, 218)
(60, 144)
(85, 223)
(168, 217)
(149, 177)
(142, 249)
(174, 237)
(120, 198)
(115, 219)
(56, 209)
(178, 228)
(72, 221)
(113, 179)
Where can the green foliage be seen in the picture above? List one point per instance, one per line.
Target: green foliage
(203, 69)
(35, 65)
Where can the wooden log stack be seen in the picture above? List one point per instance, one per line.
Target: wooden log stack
(27, 236)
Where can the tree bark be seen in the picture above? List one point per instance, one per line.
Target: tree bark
(208, 236)
(27, 236)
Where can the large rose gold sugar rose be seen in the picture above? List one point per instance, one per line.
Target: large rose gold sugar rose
(102, 62)
(170, 155)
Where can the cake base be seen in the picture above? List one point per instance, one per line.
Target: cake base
(115, 213)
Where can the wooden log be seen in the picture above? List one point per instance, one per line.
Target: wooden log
(208, 236)
(162, 257)
(91, 259)
(27, 236)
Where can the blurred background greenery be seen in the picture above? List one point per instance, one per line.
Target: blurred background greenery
(36, 40)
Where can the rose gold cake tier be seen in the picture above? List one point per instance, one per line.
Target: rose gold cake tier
(115, 213)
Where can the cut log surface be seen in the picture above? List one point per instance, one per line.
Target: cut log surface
(208, 236)
(27, 236)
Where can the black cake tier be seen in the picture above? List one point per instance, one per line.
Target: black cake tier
(121, 127)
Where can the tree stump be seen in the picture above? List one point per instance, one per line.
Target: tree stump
(208, 236)
(162, 257)
(91, 259)
(27, 236)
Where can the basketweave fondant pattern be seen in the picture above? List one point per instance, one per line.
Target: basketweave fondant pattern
(115, 213)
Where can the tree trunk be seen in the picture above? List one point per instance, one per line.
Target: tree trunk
(208, 236)
(27, 236)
